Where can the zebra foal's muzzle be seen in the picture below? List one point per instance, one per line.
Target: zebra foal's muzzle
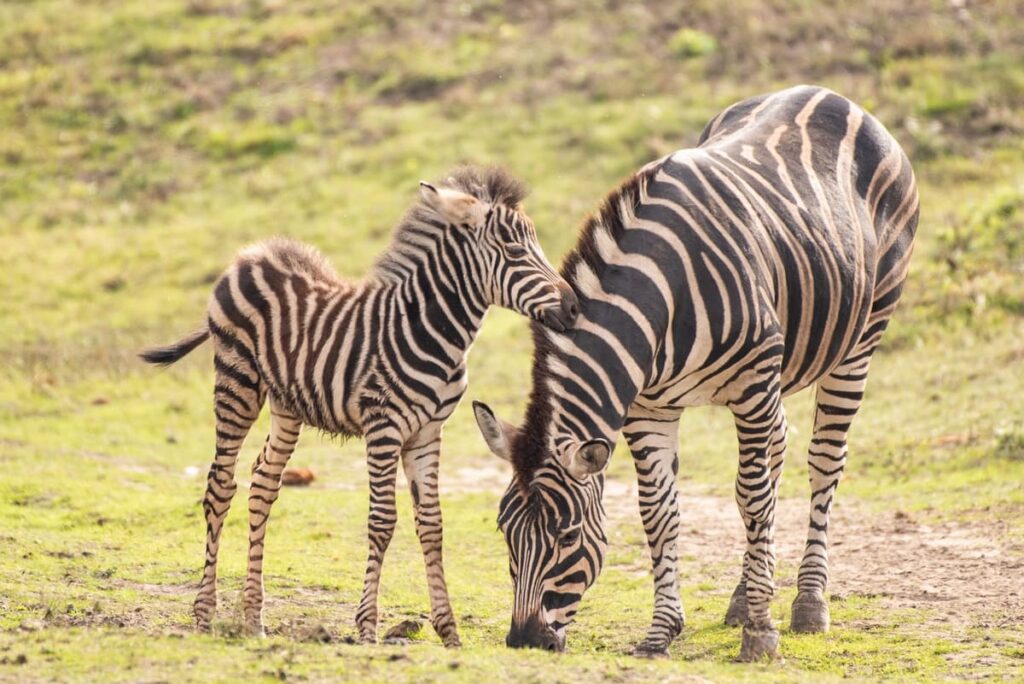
(534, 634)
(562, 316)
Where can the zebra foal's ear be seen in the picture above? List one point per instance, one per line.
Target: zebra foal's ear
(589, 458)
(453, 206)
(497, 433)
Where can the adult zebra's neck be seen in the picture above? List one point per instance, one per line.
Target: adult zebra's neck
(585, 381)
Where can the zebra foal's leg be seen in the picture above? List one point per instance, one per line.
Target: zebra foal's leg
(263, 491)
(238, 398)
(420, 460)
(383, 450)
(761, 429)
(838, 399)
(653, 440)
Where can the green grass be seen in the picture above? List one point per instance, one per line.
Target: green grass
(143, 143)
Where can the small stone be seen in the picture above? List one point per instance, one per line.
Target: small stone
(297, 477)
(31, 625)
(406, 629)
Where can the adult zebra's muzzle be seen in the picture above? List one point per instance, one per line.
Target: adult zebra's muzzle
(534, 634)
(562, 316)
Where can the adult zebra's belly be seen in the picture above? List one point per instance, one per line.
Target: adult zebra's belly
(822, 330)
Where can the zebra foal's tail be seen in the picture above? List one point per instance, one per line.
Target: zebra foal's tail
(165, 356)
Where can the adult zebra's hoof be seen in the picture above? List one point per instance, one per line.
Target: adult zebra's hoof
(759, 643)
(736, 616)
(810, 613)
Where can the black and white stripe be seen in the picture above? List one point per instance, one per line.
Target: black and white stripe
(765, 260)
(384, 358)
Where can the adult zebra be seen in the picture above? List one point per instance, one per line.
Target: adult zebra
(767, 259)
(384, 358)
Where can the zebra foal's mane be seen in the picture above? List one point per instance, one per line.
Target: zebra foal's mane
(489, 184)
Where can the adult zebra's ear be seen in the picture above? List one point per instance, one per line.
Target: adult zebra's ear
(453, 206)
(497, 433)
(589, 458)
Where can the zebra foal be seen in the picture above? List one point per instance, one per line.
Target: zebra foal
(769, 258)
(384, 358)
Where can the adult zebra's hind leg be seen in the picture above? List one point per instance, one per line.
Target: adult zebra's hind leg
(263, 491)
(761, 428)
(238, 398)
(420, 459)
(838, 399)
(653, 440)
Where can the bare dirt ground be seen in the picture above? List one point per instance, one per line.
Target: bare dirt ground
(966, 572)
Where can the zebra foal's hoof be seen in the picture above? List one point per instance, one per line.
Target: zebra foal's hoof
(203, 612)
(647, 649)
(736, 616)
(254, 629)
(810, 613)
(759, 643)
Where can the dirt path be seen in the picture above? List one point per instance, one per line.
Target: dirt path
(969, 572)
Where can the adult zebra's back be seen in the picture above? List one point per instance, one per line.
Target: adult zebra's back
(765, 260)
(384, 358)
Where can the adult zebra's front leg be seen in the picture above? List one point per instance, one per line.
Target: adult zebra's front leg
(653, 440)
(761, 428)
(420, 459)
(383, 450)
(263, 491)
(838, 399)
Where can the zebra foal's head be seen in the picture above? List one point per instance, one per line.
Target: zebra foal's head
(553, 522)
(501, 246)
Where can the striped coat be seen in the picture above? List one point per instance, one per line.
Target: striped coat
(383, 358)
(766, 260)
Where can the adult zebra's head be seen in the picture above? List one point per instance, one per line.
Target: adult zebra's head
(485, 206)
(553, 525)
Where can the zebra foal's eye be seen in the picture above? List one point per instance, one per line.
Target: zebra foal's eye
(570, 537)
(515, 250)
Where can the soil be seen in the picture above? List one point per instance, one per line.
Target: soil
(968, 572)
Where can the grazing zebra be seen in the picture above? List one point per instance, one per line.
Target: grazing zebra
(769, 258)
(384, 358)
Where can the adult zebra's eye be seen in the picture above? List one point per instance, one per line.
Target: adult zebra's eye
(569, 538)
(515, 251)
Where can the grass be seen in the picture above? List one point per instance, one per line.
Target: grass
(141, 144)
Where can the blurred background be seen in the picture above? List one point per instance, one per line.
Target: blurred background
(143, 143)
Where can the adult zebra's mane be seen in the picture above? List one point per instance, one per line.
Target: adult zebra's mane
(530, 449)
(490, 184)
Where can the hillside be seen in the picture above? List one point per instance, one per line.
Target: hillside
(143, 143)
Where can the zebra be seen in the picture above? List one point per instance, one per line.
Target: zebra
(384, 358)
(767, 259)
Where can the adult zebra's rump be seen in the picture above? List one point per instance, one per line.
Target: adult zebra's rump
(765, 260)
(384, 358)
